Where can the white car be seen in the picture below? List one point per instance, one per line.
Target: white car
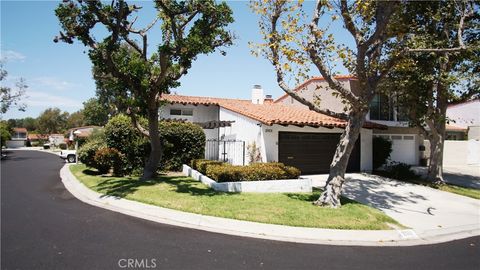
(69, 155)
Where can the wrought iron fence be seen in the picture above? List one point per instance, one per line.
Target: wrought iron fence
(231, 151)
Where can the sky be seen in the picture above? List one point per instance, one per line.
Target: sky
(59, 74)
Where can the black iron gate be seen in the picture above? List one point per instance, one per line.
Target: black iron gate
(231, 151)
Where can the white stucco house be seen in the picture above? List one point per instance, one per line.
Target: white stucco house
(406, 141)
(465, 117)
(19, 138)
(289, 134)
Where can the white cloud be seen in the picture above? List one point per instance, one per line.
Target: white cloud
(12, 56)
(53, 83)
(42, 99)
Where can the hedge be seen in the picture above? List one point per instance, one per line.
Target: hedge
(381, 148)
(86, 152)
(121, 135)
(253, 172)
(182, 142)
(109, 158)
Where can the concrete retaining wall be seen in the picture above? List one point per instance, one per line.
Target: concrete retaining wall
(268, 186)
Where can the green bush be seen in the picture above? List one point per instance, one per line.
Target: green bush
(86, 152)
(121, 135)
(382, 148)
(401, 171)
(253, 172)
(182, 143)
(63, 146)
(203, 164)
(109, 158)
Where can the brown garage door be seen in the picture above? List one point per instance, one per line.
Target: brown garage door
(313, 152)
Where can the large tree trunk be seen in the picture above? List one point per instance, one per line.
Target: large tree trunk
(437, 142)
(333, 188)
(155, 145)
(435, 168)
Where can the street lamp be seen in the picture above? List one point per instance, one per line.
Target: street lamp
(76, 133)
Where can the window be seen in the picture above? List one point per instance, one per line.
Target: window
(175, 112)
(387, 108)
(184, 112)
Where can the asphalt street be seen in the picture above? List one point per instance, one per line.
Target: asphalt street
(44, 227)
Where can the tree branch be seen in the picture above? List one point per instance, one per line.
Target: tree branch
(311, 46)
(137, 125)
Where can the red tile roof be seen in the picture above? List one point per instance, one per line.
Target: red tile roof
(455, 128)
(267, 113)
(24, 130)
(314, 79)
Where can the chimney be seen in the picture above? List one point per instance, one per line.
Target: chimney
(257, 94)
(268, 99)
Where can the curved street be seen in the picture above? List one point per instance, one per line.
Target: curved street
(44, 227)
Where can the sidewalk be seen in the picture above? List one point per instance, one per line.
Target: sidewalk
(259, 230)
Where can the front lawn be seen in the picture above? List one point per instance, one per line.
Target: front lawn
(186, 194)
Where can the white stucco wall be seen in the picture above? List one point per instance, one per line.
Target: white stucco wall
(465, 114)
(461, 153)
(321, 93)
(201, 113)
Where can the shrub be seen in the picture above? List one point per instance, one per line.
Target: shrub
(63, 146)
(109, 158)
(86, 152)
(382, 148)
(121, 135)
(401, 171)
(182, 143)
(253, 172)
(203, 164)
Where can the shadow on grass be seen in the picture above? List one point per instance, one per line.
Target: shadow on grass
(121, 187)
(314, 196)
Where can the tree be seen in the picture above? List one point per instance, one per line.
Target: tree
(51, 121)
(293, 45)
(5, 133)
(439, 68)
(124, 70)
(95, 113)
(76, 119)
(30, 123)
(11, 97)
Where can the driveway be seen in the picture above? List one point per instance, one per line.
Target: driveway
(421, 208)
(45, 227)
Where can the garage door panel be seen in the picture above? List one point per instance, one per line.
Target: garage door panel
(313, 152)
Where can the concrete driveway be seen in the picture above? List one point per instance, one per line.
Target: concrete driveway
(421, 208)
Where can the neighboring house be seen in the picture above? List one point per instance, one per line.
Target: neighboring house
(85, 131)
(466, 115)
(406, 141)
(292, 135)
(56, 139)
(19, 138)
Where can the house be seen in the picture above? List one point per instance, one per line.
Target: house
(465, 115)
(406, 141)
(84, 132)
(292, 135)
(19, 138)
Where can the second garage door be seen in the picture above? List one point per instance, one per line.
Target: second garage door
(313, 152)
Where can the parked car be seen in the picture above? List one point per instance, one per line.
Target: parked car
(69, 155)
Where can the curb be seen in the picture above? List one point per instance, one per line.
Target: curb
(260, 230)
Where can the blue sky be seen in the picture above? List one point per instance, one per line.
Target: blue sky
(59, 74)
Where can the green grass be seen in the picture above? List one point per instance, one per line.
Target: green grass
(186, 194)
(469, 192)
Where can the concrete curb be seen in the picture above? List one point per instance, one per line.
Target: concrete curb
(260, 230)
